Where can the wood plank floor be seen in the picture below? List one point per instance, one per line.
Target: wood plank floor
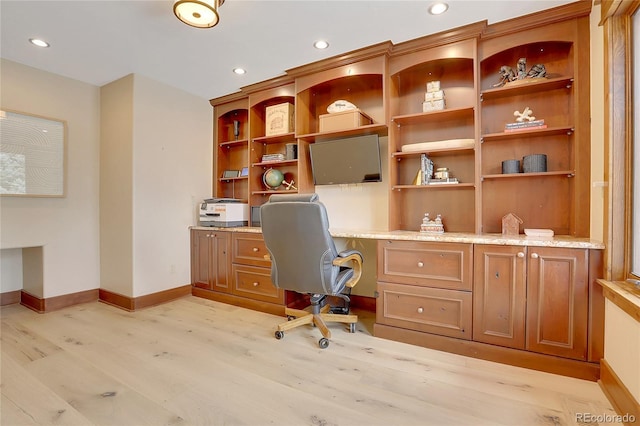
(198, 362)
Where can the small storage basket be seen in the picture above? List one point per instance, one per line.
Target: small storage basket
(534, 163)
(510, 166)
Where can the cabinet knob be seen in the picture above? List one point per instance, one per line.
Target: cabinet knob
(256, 284)
(255, 249)
(520, 254)
(534, 255)
(420, 310)
(420, 265)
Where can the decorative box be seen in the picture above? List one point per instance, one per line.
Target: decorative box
(344, 120)
(279, 119)
(434, 96)
(433, 105)
(433, 86)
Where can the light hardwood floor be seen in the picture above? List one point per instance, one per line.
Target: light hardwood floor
(199, 362)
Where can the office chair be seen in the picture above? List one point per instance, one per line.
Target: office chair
(304, 259)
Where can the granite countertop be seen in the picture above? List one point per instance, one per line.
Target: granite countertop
(451, 237)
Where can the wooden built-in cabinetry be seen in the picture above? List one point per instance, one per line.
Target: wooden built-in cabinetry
(210, 260)
(533, 304)
(230, 267)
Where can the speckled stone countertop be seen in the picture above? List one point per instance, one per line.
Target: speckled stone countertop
(447, 237)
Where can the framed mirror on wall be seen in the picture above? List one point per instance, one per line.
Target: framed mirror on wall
(32, 155)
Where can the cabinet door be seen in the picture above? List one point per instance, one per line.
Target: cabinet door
(499, 295)
(220, 243)
(557, 305)
(201, 259)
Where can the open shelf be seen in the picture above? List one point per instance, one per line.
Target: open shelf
(232, 143)
(461, 185)
(568, 173)
(551, 131)
(444, 114)
(275, 163)
(370, 129)
(285, 137)
(523, 87)
(440, 151)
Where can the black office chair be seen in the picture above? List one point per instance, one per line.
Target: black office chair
(304, 259)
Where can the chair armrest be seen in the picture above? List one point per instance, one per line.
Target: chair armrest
(355, 257)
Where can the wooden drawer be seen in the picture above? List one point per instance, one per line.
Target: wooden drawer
(249, 249)
(255, 283)
(432, 310)
(442, 265)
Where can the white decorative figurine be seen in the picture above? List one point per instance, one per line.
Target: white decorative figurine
(525, 115)
(432, 226)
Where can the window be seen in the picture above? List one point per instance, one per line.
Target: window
(622, 60)
(635, 151)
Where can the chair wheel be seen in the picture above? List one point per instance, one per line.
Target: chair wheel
(323, 343)
(279, 334)
(352, 327)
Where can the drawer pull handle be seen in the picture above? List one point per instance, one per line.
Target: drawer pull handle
(520, 254)
(534, 255)
(255, 249)
(420, 310)
(256, 284)
(420, 264)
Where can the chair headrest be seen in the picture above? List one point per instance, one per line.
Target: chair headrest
(294, 198)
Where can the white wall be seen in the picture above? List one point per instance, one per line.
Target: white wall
(622, 346)
(66, 228)
(359, 206)
(10, 270)
(172, 164)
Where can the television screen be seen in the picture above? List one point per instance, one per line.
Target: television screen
(348, 160)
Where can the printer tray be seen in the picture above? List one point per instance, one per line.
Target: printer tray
(223, 224)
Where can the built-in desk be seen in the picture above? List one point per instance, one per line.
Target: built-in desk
(530, 302)
(451, 237)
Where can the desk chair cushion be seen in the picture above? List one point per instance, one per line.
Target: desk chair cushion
(296, 232)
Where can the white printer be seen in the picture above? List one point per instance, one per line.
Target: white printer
(224, 212)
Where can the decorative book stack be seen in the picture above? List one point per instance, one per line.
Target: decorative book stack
(524, 125)
(270, 158)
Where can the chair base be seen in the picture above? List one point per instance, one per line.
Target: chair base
(319, 320)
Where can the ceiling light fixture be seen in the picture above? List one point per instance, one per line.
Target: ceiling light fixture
(38, 42)
(438, 8)
(239, 71)
(198, 13)
(321, 44)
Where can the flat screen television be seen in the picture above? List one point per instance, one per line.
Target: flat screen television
(347, 160)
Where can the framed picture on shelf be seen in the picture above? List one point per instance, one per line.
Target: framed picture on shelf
(244, 171)
(230, 174)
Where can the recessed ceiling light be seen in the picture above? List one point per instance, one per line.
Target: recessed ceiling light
(321, 44)
(239, 71)
(438, 8)
(38, 42)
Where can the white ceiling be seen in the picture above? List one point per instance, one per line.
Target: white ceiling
(101, 41)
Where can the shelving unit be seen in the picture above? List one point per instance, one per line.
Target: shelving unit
(231, 150)
(550, 199)
(452, 62)
(388, 83)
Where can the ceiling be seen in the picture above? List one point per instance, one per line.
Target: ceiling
(101, 41)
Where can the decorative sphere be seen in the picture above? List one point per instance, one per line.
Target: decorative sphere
(273, 178)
